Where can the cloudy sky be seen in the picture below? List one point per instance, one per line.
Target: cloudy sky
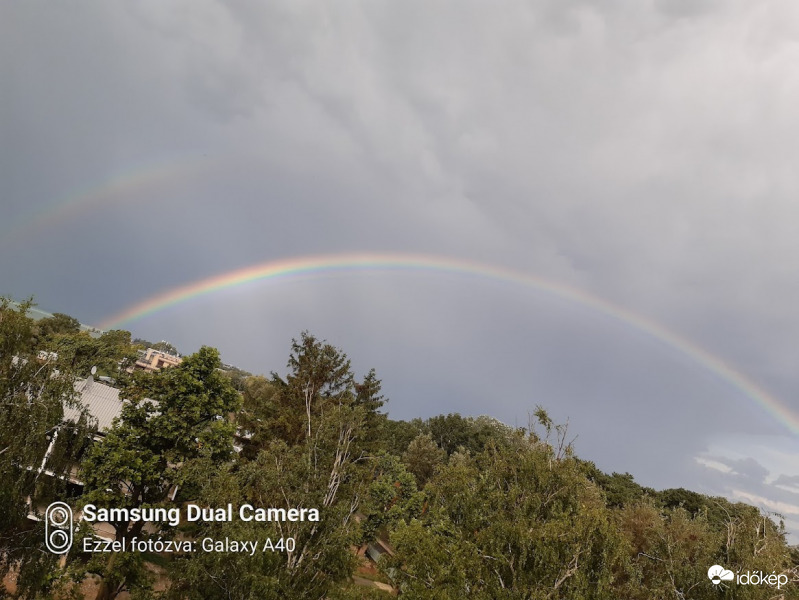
(638, 153)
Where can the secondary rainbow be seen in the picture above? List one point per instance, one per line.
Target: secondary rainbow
(132, 184)
(281, 269)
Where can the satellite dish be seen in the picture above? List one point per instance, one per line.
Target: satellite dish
(94, 370)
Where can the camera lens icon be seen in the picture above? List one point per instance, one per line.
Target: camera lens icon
(59, 516)
(58, 528)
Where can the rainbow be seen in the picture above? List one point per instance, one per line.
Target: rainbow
(117, 187)
(282, 269)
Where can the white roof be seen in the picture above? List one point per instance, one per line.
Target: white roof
(102, 401)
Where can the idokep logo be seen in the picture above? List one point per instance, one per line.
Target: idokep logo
(58, 528)
(717, 574)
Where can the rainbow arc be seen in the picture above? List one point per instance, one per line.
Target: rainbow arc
(285, 269)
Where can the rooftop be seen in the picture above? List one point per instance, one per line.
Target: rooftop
(102, 401)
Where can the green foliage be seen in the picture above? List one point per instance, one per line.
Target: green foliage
(357, 592)
(392, 496)
(321, 472)
(368, 397)
(690, 501)
(174, 417)
(238, 377)
(666, 547)
(469, 507)
(474, 434)
(423, 457)
(434, 561)
(259, 415)
(309, 441)
(58, 324)
(515, 524)
(665, 551)
(620, 489)
(34, 389)
(320, 379)
(449, 432)
(110, 353)
(398, 434)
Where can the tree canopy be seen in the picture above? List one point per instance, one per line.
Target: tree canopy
(450, 506)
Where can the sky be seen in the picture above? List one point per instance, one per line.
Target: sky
(639, 154)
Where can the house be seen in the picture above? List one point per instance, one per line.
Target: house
(103, 404)
(154, 360)
(100, 400)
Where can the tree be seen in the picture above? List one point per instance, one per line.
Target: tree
(325, 471)
(398, 434)
(620, 489)
(423, 457)
(173, 417)
(320, 379)
(391, 497)
(260, 414)
(58, 323)
(474, 434)
(368, 396)
(515, 521)
(34, 389)
(321, 376)
(309, 448)
(110, 353)
(665, 550)
(237, 376)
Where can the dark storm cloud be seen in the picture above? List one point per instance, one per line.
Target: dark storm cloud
(641, 152)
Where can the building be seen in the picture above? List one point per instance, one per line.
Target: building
(154, 360)
(101, 401)
(103, 404)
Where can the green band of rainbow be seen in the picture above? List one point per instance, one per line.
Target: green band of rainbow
(275, 270)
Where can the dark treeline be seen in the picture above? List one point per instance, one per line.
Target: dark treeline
(459, 507)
